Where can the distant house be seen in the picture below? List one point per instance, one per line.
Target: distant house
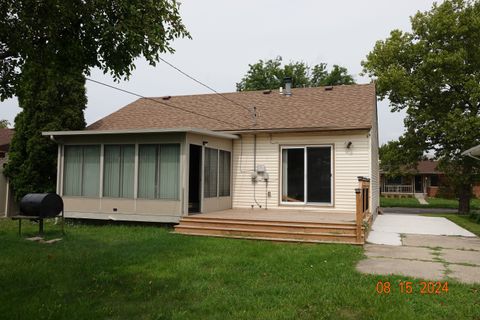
(5, 140)
(5, 194)
(163, 159)
(425, 179)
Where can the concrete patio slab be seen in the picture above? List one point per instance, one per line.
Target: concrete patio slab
(430, 248)
(387, 228)
(409, 268)
(402, 223)
(399, 252)
(387, 238)
(465, 274)
(462, 243)
(461, 256)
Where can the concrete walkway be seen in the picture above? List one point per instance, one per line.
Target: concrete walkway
(388, 228)
(421, 198)
(436, 258)
(430, 248)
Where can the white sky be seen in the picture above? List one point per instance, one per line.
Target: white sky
(228, 35)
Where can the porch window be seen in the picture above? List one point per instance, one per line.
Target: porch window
(159, 171)
(81, 171)
(216, 173)
(224, 173)
(210, 172)
(307, 174)
(118, 172)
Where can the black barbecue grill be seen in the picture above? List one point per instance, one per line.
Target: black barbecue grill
(39, 206)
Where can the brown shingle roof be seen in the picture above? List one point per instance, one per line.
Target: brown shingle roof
(423, 167)
(427, 166)
(342, 107)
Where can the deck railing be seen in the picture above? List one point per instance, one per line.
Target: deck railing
(397, 188)
(362, 203)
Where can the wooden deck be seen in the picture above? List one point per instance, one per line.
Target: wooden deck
(275, 225)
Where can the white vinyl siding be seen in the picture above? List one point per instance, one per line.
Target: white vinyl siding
(348, 164)
(374, 167)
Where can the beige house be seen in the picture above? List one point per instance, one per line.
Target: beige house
(8, 206)
(161, 159)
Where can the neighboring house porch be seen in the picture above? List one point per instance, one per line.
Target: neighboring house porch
(424, 179)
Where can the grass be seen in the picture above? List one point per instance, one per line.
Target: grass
(132, 272)
(399, 202)
(432, 203)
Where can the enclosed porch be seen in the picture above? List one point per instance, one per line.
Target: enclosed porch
(149, 175)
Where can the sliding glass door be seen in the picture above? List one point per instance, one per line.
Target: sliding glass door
(307, 175)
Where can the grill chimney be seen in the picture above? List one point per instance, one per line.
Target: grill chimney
(288, 86)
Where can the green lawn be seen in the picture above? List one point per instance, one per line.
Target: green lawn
(399, 202)
(432, 203)
(127, 272)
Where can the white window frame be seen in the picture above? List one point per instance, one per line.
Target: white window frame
(305, 175)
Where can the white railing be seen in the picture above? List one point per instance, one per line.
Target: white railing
(397, 188)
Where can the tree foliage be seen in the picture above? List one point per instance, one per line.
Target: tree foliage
(4, 124)
(270, 74)
(399, 156)
(46, 49)
(51, 100)
(84, 34)
(433, 73)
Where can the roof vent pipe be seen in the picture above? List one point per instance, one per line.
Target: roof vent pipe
(288, 86)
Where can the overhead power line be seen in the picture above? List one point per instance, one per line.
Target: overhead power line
(205, 85)
(162, 103)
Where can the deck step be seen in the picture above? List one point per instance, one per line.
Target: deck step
(275, 226)
(303, 223)
(345, 241)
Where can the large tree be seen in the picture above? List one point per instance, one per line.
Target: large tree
(433, 72)
(46, 49)
(270, 74)
(397, 156)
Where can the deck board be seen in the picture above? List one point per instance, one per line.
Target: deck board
(287, 215)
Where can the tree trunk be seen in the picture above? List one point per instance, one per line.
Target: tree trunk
(464, 199)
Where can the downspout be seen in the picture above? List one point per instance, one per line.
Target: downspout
(57, 186)
(254, 174)
(254, 153)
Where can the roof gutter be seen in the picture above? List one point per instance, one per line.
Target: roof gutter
(205, 132)
(281, 130)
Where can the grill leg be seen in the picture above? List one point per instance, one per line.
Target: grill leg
(63, 223)
(40, 227)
